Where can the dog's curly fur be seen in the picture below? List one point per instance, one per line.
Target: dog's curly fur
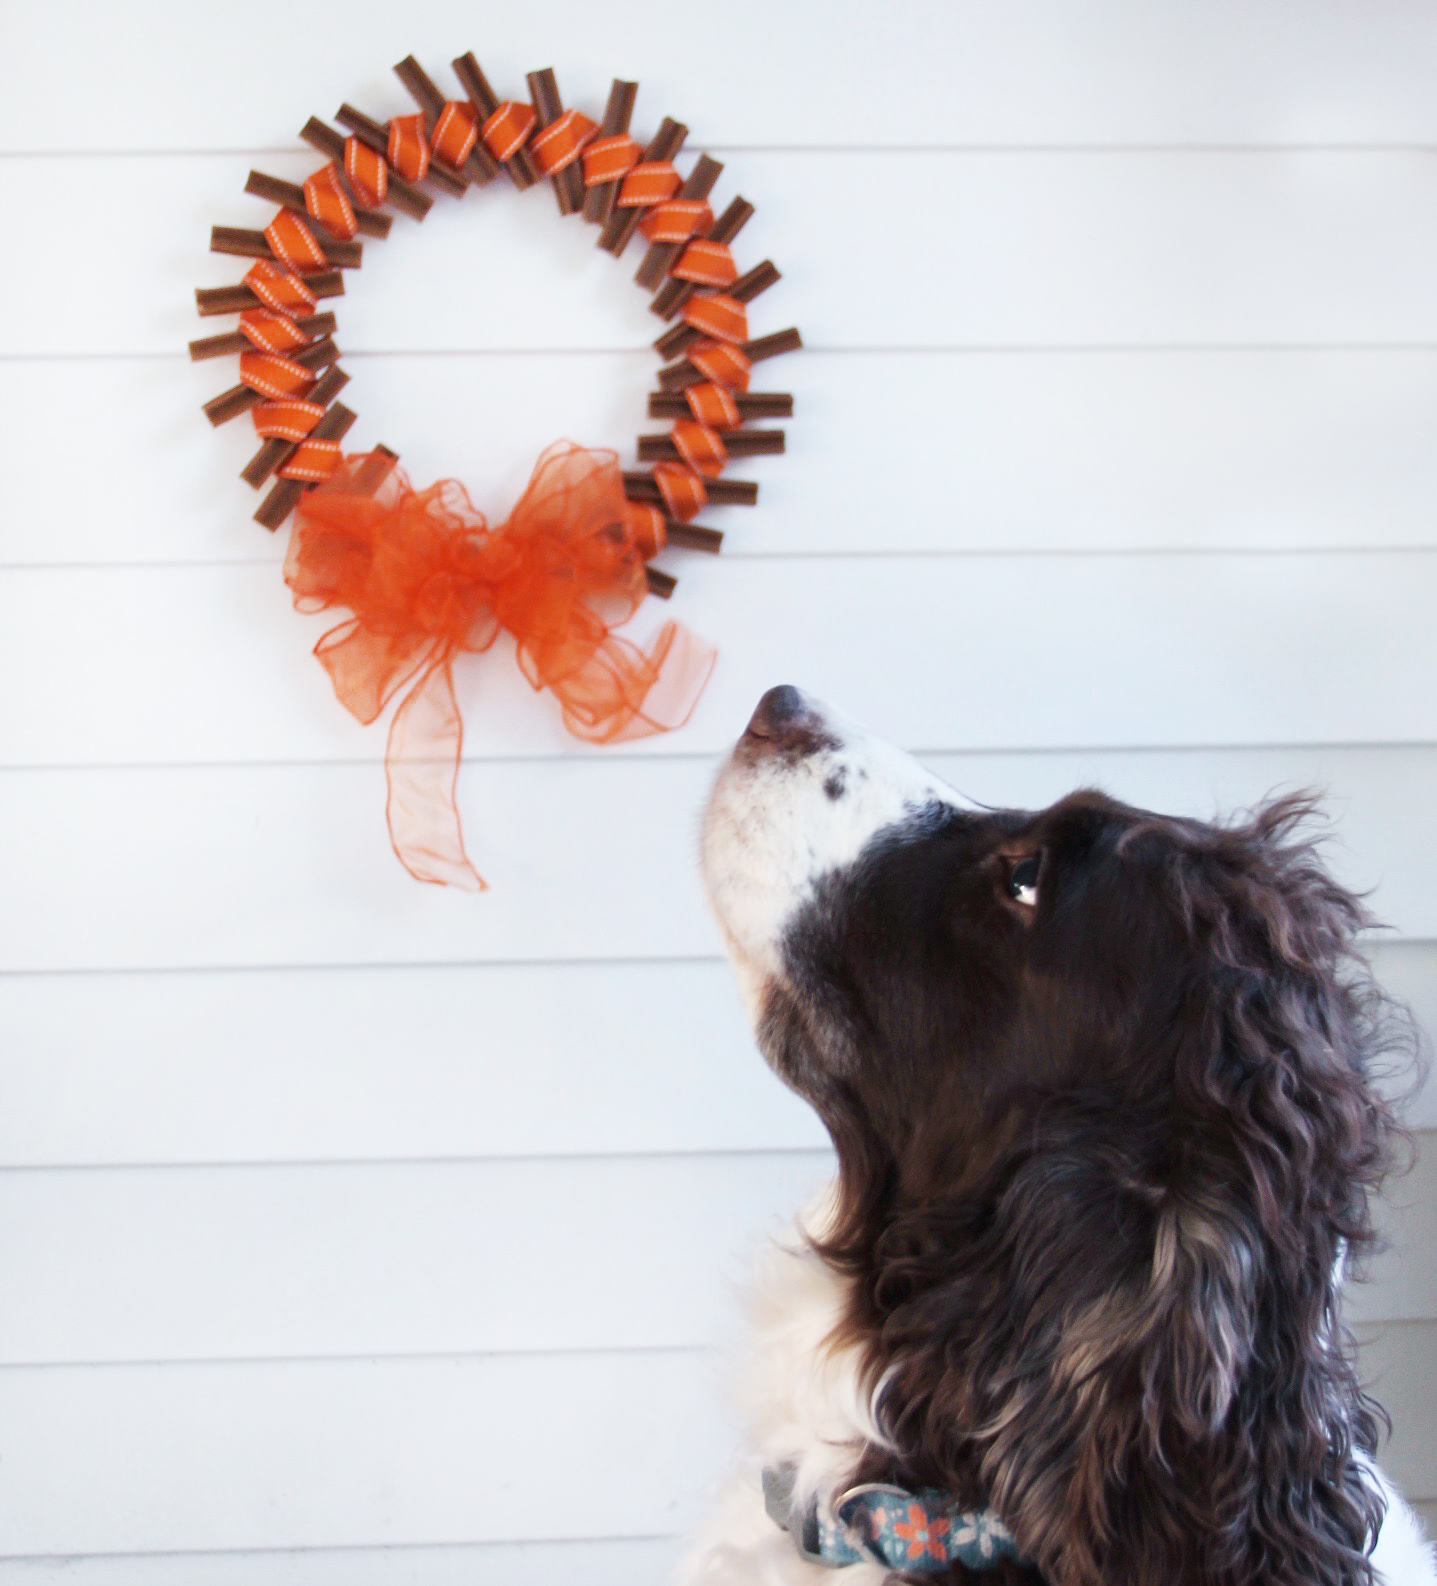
(1102, 1159)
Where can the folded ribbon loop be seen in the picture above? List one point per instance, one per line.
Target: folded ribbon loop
(428, 579)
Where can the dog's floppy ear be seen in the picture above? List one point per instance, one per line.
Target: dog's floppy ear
(1139, 1359)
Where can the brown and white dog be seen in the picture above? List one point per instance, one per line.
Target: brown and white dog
(1100, 1085)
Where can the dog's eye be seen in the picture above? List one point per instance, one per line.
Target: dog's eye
(1023, 880)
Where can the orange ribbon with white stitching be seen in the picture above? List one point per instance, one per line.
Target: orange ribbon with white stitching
(561, 142)
(506, 128)
(269, 330)
(294, 244)
(328, 203)
(706, 263)
(272, 375)
(713, 404)
(607, 159)
(718, 315)
(676, 220)
(408, 148)
(455, 132)
(427, 579)
(650, 182)
(312, 462)
(279, 288)
(366, 173)
(286, 420)
(723, 362)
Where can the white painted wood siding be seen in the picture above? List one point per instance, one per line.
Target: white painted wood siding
(354, 1232)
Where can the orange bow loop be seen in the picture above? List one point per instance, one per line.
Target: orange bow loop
(426, 579)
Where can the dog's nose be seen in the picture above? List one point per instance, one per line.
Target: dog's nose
(784, 719)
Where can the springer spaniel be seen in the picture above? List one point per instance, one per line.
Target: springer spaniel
(1100, 1087)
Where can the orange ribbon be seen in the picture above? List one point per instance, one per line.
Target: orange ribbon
(328, 203)
(312, 462)
(456, 132)
(562, 142)
(286, 420)
(724, 363)
(683, 490)
(294, 244)
(650, 182)
(273, 376)
(718, 315)
(700, 446)
(713, 404)
(428, 579)
(506, 127)
(607, 159)
(408, 148)
(366, 172)
(271, 330)
(676, 220)
(278, 288)
(706, 263)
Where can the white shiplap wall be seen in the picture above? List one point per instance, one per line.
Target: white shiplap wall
(358, 1232)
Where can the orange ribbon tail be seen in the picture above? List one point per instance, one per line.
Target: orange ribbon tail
(427, 578)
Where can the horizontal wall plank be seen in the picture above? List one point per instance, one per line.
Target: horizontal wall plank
(428, 1063)
(980, 451)
(1403, 1284)
(347, 1453)
(325, 1454)
(1037, 72)
(599, 1562)
(464, 1258)
(423, 1259)
(289, 865)
(364, 1064)
(206, 664)
(1396, 1362)
(1034, 249)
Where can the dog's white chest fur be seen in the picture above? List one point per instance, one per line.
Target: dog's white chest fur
(802, 1403)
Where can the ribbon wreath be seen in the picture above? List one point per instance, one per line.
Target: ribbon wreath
(424, 577)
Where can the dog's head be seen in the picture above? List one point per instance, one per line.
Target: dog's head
(1099, 1084)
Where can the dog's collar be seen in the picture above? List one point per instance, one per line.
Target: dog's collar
(877, 1524)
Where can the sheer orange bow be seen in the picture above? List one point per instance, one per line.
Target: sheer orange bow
(427, 579)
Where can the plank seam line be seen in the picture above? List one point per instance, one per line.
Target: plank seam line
(357, 966)
(338, 1547)
(480, 1159)
(833, 349)
(711, 756)
(838, 150)
(622, 960)
(1136, 553)
(402, 1357)
(365, 1357)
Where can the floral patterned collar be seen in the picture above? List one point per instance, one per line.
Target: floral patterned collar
(878, 1524)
